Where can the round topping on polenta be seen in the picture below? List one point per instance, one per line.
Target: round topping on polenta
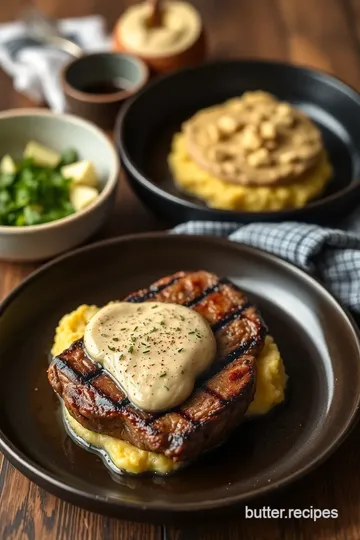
(254, 140)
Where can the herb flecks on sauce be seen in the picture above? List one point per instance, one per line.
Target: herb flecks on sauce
(162, 342)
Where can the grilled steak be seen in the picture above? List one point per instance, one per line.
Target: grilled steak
(221, 396)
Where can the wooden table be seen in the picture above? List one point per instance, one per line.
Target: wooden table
(324, 34)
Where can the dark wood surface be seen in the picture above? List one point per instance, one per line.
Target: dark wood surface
(324, 34)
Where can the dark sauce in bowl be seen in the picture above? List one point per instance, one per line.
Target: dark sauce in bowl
(106, 87)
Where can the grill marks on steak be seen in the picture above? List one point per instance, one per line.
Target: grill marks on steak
(220, 399)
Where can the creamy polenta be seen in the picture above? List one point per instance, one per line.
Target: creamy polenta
(124, 455)
(270, 391)
(217, 193)
(72, 327)
(271, 380)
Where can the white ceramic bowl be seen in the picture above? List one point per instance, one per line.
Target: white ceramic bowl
(58, 131)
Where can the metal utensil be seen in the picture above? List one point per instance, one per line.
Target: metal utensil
(46, 31)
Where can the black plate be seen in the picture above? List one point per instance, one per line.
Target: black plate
(318, 342)
(146, 124)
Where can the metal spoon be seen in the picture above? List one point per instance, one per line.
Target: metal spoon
(45, 30)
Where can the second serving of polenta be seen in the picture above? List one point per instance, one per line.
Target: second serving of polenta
(252, 154)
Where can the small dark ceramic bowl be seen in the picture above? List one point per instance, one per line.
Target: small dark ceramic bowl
(166, 102)
(96, 85)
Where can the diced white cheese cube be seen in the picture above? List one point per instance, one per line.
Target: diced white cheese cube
(7, 165)
(41, 155)
(81, 172)
(82, 196)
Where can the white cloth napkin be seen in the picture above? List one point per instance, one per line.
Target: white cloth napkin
(35, 68)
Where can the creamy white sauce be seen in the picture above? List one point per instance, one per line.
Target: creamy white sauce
(154, 350)
(181, 26)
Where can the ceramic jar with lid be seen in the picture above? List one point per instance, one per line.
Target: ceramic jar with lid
(166, 35)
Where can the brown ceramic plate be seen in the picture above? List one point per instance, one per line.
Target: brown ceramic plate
(318, 341)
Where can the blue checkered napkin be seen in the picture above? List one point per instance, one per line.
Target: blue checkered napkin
(331, 255)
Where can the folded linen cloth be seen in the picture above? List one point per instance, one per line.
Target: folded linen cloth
(330, 255)
(35, 67)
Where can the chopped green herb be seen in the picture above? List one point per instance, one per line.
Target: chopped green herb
(145, 352)
(180, 350)
(145, 344)
(131, 348)
(153, 307)
(163, 374)
(121, 356)
(31, 194)
(111, 348)
(69, 156)
(192, 332)
(153, 330)
(167, 388)
(162, 323)
(115, 339)
(136, 327)
(122, 329)
(182, 318)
